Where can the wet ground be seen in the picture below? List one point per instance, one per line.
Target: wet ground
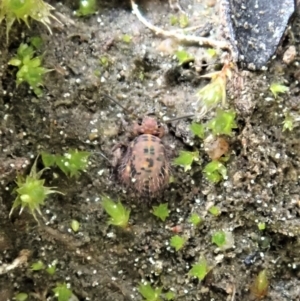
(101, 262)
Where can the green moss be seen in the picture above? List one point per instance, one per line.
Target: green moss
(195, 219)
(214, 210)
(183, 57)
(86, 8)
(215, 171)
(31, 192)
(119, 215)
(149, 293)
(30, 69)
(11, 10)
(177, 242)
(197, 129)
(71, 163)
(223, 123)
(277, 88)
(219, 238)
(186, 159)
(161, 211)
(200, 269)
(62, 292)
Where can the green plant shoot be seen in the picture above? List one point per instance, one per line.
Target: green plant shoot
(183, 57)
(215, 171)
(183, 21)
(276, 89)
(177, 242)
(161, 211)
(149, 293)
(119, 215)
(260, 286)
(195, 219)
(223, 239)
(174, 20)
(186, 159)
(214, 210)
(126, 38)
(197, 129)
(31, 192)
(223, 123)
(200, 269)
(261, 226)
(30, 69)
(71, 163)
(62, 292)
(37, 266)
(75, 225)
(288, 123)
(169, 296)
(21, 297)
(219, 238)
(211, 52)
(51, 269)
(12, 10)
(215, 92)
(86, 8)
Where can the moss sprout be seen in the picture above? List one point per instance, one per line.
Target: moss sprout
(277, 88)
(183, 57)
(71, 163)
(24, 10)
(186, 159)
(214, 210)
(119, 215)
(31, 192)
(223, 123)
(177, 242)
(195, 219)
(30, 69)
(161, 211)
(38, 266)
(260, 286)
(149, 293)
(215, 171)
(213, 93)
(197, 129)
(21, 297)
(86, 8)
(62, 292)
(200, 269)
(223, 239)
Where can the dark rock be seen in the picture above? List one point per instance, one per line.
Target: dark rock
(255, 28)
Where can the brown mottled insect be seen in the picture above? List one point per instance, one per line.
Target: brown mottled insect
(144, 164)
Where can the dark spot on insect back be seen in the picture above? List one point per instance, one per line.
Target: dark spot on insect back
(152, 151)
(150, 162)
(145, 137)
(154, 139)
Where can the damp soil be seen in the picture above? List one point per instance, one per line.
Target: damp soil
(105, 263)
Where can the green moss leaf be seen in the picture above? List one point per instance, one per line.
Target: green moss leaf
(223, 123)
(119, 215)
(177, 242)
(62, 292)
(200, 269)
(161, 211)
(197, 129)
(186, 159)
(149, 293)
(277, 88)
